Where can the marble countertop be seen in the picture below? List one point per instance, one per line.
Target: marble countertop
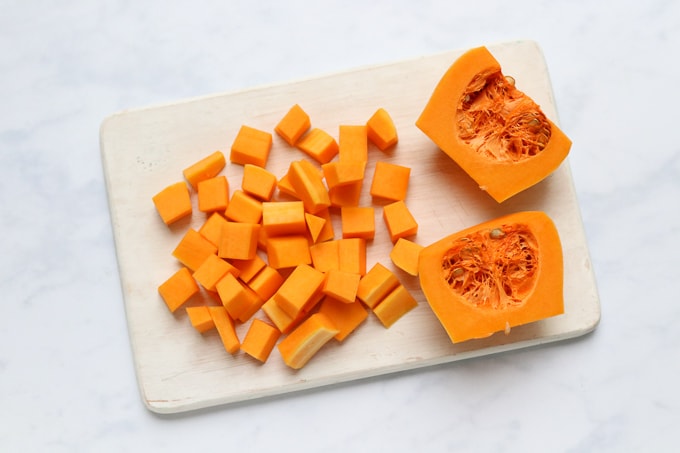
(67, 380)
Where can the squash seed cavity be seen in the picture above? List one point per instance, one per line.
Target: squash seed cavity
(493, 269)
(499, 121)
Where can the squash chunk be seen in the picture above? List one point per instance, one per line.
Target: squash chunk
(319, 145)
(251, 146)
(206, 168)
(213, 194)
(358, 222)
(293, 125)
(244, 208)
(200, 318)
(301, 286)
(390, 181)
(405, 255)
(193, 249)
(309, 187)
(178, 289)
(399, 221)
(288, 251)
(353, 143)
(341, 285)
(381, 130)
(239, 241)
(260, 340)
(212, 270)
(225, 328)
(352, 255)
(306, 340)
(258, 182)
(395, 305)
(212, 228)
(266, 282)
(378, 282)
(345, 317)
(283, 217)
(173, 202)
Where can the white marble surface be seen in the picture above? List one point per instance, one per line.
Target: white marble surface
(67, 381)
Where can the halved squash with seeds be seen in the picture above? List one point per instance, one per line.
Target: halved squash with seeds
(496, 275)
(496, 133)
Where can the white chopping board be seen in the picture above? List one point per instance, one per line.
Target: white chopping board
(144, 150)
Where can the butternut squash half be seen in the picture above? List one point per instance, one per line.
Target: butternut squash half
(496, 275)
(493, 131)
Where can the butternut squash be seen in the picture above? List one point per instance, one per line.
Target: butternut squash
(173, 202)
(493, 276)
(206, 168)
(178, 289)
(495, 132)
(213, 194)
(306, 340)
(251, 146)
(260, 339)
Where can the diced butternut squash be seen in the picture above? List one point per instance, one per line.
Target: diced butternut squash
(213, 194)
(327, 232)
(212, 228)
(395, 305)
(178, 289)
(233, 296)
(212, 270)
(353, 143)
(325, 255)
(266, 282)
(342, 173)
(286, 187)
(244, 208)
(390, 181)
(239, 241)
(378, 282)
(308, 185)
(306, 340)
(206, 168)
(345, 317)
(319, 145)
(173, 202)
(260, 340)
(251, 146)
(258, 182)
(302, 285)
(341, 285)
(282, 320)
(405, 255)
(399, 221)
(358, 222)
(252, 304)
(381, 130)
(283, 217)
(225, 328)
(193, 249)
(200, 318)
(352, 255)
(293, 125)
(346, 195)
(288, 251)
(315, 225)
(249, 268)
